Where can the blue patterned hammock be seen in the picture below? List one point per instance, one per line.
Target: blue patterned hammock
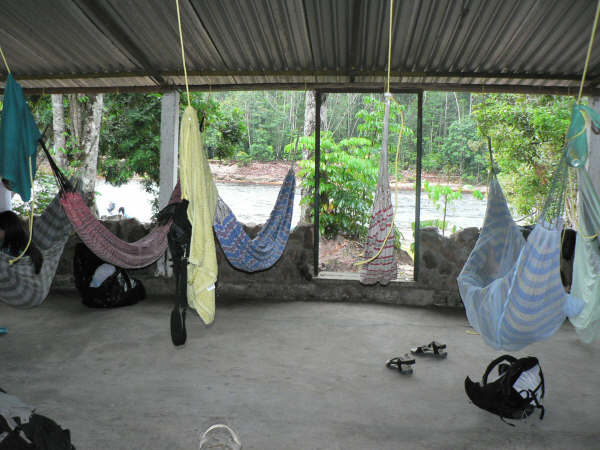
(260, 253)
(511, 288)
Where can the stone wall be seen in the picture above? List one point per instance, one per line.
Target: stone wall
(291, 277)
(442, 259)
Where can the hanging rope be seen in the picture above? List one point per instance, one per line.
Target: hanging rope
(570, 208)
(589, 52)
(31, 213)
(389, 96)
(4, 59)
(187, 87)
(389, 68)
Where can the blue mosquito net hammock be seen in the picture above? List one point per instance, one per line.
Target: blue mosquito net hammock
(260, 253)
(511, 287)
(586, 267)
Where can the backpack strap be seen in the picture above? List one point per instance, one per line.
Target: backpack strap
(125, 275)
(494, 363)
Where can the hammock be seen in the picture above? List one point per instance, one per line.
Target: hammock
(20, 286)
(511, 288)
(98, 238)
(107, 246)
(586, 267)
(381, 266)
(198, 187)
(260, 253)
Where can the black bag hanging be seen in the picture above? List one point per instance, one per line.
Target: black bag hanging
(515, 394)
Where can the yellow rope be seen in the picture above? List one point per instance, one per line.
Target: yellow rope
(4, 59)
(569, 208)
(390, 47)
(14, 260)
(389, 95)
(589, 52)
(187, 87)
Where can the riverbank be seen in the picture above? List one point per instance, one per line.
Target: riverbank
(274, 172)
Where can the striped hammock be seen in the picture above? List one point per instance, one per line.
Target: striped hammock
(382, 266)
(20, 286)
(260, 253)
(107, 246)
(511, 288)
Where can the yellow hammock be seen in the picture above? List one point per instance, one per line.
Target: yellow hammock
(198, 187)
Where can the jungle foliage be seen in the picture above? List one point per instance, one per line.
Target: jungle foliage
(527, 133)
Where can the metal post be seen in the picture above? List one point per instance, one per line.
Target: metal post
(317, 179)
(417, 259)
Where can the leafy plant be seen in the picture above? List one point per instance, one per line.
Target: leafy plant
(347, 184)
(442, 196)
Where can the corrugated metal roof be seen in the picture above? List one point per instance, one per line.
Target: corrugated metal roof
(490, 45)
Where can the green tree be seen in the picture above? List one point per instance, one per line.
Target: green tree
(130, 138)
(527, 134)
(347, 184)
(462, 151)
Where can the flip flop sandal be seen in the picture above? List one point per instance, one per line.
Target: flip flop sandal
(402, 363)
(433, 348)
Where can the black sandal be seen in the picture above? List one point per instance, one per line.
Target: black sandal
(433, 348)
(402, 363)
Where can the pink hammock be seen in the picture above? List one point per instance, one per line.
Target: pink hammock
(107, 246)
(379, 251)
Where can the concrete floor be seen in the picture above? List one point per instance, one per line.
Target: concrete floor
(284, 376)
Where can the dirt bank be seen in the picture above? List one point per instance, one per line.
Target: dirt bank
(274, 173)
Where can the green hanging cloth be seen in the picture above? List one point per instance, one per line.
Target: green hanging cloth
(577, 145)
(19, 136)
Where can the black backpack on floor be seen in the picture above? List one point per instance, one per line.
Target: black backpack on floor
(500, 396)
(117, 290)
(38, 433)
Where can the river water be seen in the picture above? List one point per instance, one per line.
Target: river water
(252, 203)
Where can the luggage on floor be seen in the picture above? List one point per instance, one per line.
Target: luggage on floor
(22, 429)
(515, 394)
(103, 285)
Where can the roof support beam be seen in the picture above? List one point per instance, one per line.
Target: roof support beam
(329, 87)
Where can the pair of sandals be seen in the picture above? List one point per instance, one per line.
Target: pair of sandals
(404, 364)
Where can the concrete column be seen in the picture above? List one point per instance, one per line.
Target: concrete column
(593, 162)
(169, 141)
(169, 146)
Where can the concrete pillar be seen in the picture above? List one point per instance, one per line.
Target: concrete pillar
(169, 141)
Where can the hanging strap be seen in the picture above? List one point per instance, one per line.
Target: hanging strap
(187, 88)
(494, 363)
(4, 59)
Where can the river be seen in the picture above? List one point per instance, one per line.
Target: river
(252, 203)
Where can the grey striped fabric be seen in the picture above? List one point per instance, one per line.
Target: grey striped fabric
(20, 286)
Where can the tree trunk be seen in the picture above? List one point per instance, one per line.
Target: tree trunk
(457, 106)
(86, 119)
(58, 127)
(309, 130)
